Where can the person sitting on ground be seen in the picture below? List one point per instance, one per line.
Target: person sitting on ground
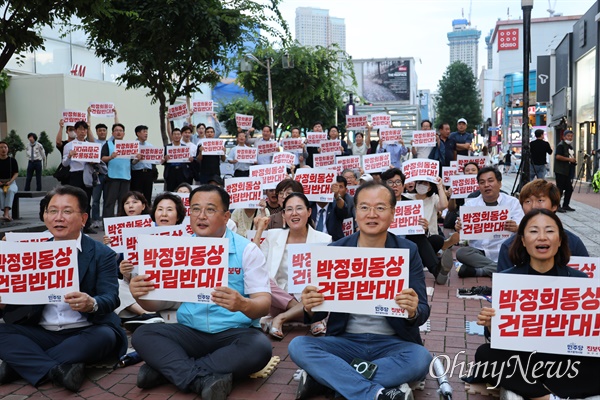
(540, 248)
(56, 340)
(480, 257)
(130, 312)
(539, 194)
(299, 229)
(210, 343)
(393, 344)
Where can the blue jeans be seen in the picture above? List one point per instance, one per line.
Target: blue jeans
(537, 171)
(327, 360)
(96, 194)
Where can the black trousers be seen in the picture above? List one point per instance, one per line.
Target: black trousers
(142, 180)
(427, 252)
(580, 381)
(181, 353)
(564, 185)
(34, 166)
(177, 175)
(241, 174)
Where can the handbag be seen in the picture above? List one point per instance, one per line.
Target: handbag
(62, 173)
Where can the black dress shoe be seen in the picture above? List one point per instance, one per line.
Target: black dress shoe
(568, 208)
(70, 376)
(148, 377)
(7, 374)
(561, 210)
(213, 387)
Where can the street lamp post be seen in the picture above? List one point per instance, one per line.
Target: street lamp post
(526, 6)
(269, 87)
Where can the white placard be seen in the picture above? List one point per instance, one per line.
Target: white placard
(482, 222)
(421, 169)
(589, 265)
(179, 154)
(244, 192)
(28, 237)
(390, 135)
(106, 110)
(331, 147)
(127, 148)
(86, 151)
(464, 160)
(314, 139)
(151, 154)
(298, 263)
(248, 155)
(406, 218)
(244, 121)
(447, 173)
(70, 117)
(271, 174)
(317, 183)
(356, 122)
(374, 163)
(113, 228)
(463, 185)
(202, 106)
(380, 121)
(212, 147)
(348, 162)
(178, 111)
(284, 158)
(424, 138)
(323, 160)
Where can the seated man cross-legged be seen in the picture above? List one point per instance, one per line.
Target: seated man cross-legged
(393, 344)
(211, 343)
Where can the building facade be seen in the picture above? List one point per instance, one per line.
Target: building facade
(463, 42)
(315, 27)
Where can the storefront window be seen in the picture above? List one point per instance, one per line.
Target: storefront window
(56, 59)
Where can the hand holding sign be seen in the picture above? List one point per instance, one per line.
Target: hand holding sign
(408, 300)
(311, 298)
(140, 286)
(485, 316)
(229, 299)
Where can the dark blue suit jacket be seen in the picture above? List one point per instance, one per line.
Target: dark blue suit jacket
(405, 330)
(334, 216)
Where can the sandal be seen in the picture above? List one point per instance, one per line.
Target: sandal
(266, 325)
(318, 328)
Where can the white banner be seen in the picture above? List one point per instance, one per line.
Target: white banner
(127, 148)
(379, 162)
(86, 152)
(482, 222)
(244, 192)
(317, 183)
(421, 169)
(406, 218)
(113, 228)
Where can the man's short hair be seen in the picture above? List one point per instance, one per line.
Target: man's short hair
(176, 130)
(78, 193)
(441, 125)
(267, 126)
(210, 127)
(426, 120)
(485, 170)
(540, 188)
(201, 124)
(4, 142)
(374, 185)
(140, 128)
(81, 123)
(179, 207)
(186, 128)
(213, 188)
(33, 135)
(100, 126)
(118, 124)
(341, 179)
(539, 133)
(390, 173)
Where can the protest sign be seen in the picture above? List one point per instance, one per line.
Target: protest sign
(331, 147)
(113, 228)
(212, 147)
(379, 162)
(179, 154)
(184, 272)
(314, 139)
(482, 222)
(463, 185)
(317, 183)
(335, 167)
(267, 148)
(28, 237)
(243, 121)
(298, 262)
(448, 172)
(360, 280)
(248, 155)
(270, 174)
(421, 169)
(323, 160)
(86, 152)
(356, 122)
(351, 189)
(151, 154)
(463, 160)
(178, 111)
(185, 199)
(202, 106)
(40, 274)
(390, 135)
(244, 192)
(380, 121)
(293, 145)
(424, 138)
(349, 162)
(70, 117)
(546, 314)
(589, 265)
(284, 158)
(102, 110)
(406, 218)
(348, 226)
(127, 148)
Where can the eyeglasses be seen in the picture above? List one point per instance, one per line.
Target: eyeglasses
(397, 182)
(208, 211)
(298, 210)
(53, 212)
(284, 194)
(367, 209)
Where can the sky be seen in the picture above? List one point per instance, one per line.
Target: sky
(418, 28)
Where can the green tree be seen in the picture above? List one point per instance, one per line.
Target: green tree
(458, 97)
(46, 143)
(243, 105)
(309, 91)
(15, 143)
(22, 19)
(171, 47)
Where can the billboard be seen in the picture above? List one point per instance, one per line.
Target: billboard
(386, 80)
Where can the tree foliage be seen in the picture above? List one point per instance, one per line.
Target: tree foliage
(458, 97)
(171, 47)
(310, 91)
(46, 143)
(243, 105)
(22, 19)
(15, 143)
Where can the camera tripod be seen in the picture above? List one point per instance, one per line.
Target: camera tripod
(580, 173)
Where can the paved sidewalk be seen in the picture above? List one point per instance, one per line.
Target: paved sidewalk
(447, 335)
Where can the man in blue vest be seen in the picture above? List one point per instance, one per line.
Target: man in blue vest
(119, 172)
(211, 343)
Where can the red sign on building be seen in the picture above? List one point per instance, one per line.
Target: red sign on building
(508, 39)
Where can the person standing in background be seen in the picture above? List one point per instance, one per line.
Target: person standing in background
(563, 161)
(539, 148)
(37, 160)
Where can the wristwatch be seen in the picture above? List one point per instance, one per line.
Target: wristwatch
(415, 317)
(95, 306)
